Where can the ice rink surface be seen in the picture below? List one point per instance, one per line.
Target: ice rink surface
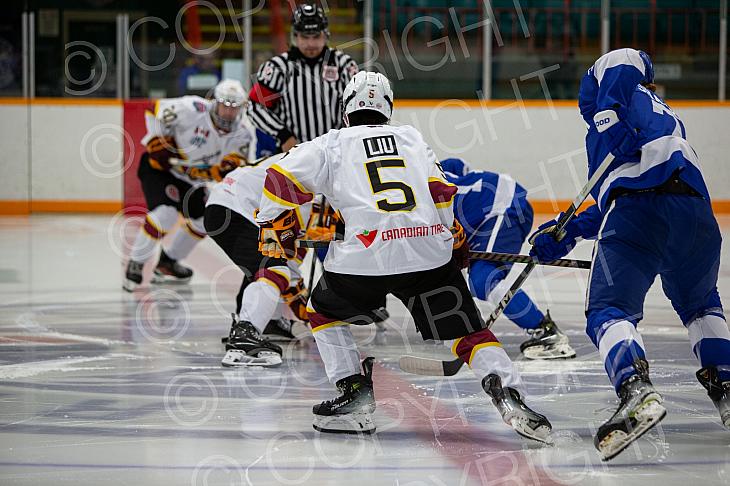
(98, 386)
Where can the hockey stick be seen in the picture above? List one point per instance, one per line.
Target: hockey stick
(437, 367)
(512, 258)
(482, 255)
(313, 266)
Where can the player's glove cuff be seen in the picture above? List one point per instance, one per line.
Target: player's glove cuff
(322, 223)
(460, 253)
(459, 234)
(160, 151)
(277, 238)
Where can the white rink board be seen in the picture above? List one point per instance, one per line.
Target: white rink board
(76, 150)
(544, 148)
(14, 184)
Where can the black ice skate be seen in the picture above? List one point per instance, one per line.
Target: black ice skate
(246, 347)
(547, 342)
(133, 276)
(640, 409)
(351, 412)
(380, 315)
(285, 330)
(719, 392)
(170, 271)
(515, 413)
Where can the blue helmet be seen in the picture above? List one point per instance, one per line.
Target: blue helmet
(455, 167)
(648, 67)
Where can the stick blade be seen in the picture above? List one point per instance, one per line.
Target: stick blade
(429, 367)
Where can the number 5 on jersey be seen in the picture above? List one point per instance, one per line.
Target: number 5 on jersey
(378, 185)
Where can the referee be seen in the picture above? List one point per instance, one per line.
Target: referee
(297, 93)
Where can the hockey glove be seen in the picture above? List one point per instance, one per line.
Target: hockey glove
(296, 298)
(277, 238)
(210, 173)
(618, 136)
(461, 246)
(548, 246)
(322, 222)
(161, 150)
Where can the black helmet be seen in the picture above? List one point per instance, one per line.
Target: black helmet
(309, 19)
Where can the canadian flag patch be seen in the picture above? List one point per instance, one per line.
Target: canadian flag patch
(367, 237)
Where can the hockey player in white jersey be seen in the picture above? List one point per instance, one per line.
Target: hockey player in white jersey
(653, 217)
(397, 208)
(190, 142)
(271, 302)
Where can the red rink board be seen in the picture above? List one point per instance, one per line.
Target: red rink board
(135, 128)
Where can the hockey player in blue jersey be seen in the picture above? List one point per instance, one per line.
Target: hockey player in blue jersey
(496, 216)
(653, 217)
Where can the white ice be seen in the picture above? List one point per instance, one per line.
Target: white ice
(98, 386)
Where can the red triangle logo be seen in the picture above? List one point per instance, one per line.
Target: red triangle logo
(367, 237)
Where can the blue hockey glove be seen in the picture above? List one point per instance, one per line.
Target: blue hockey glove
(621, 140)
(546, 244)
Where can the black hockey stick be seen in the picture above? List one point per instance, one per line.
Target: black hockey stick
(512, 258)
(437, 367)
(313, 266)
(482, 255)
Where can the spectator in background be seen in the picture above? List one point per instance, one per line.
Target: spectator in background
(200, 76)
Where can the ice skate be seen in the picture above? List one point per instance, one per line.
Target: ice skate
(132, 276)
(351, 412)
(640, 409)
(285, 330)
(170, 271)
(547, 342)
(719, 392)
(380, 315)
(246, 347)
(515, 413)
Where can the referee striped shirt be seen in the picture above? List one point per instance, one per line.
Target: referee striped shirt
(297, 96)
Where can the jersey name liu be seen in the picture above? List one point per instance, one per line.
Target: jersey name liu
(387, 185)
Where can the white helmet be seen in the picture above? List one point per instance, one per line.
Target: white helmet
(230, 93)
(368, 91)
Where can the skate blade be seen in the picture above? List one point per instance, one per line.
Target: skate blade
(236, 358)
(647, 416)
(352, 423)
(158, 279)
(560, 351)
(540, 434)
